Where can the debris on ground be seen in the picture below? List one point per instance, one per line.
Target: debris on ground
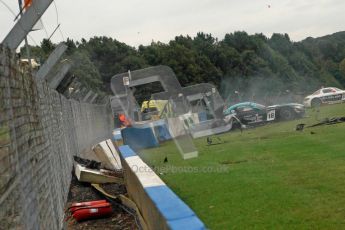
(165, 160)
(126, 204)
(300, 127)
(214, 140)
(228, 162)
(94, 198)
(84, 174)
(88, 210)
(117, 173)
(119, 219)
(91, 164)
(108, 155)
(329, 121)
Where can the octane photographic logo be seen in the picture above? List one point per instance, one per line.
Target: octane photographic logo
(180, 169)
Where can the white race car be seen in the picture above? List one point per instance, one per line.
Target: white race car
(330, 95)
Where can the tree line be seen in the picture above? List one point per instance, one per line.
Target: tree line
(239, 62)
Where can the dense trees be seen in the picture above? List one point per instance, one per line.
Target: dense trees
(237, 62)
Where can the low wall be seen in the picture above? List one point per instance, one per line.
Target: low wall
(160, 207)
(40, 131)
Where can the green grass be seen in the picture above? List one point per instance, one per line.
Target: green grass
(277, 178)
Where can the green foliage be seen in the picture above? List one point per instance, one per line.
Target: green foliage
(85, 71)
(40, 53)
(47, 46)
(342, 70)
(238, 59)
(71, 46)
(281, 43)
(111, 57)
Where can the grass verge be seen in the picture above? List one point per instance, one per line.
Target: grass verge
(275, 177)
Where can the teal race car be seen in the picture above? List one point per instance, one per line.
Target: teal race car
(251, 113)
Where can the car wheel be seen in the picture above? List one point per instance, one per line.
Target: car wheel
(286, 114)
(316, 102)
(236, 125)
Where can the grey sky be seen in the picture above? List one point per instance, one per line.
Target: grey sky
(141, 21)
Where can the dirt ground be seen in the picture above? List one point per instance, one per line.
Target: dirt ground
(81, 192)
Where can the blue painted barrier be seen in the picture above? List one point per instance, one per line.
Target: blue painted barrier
(160, 129)
(117, 135)
(139, 138)
(202, 116)
(162, 132)
(159, 205)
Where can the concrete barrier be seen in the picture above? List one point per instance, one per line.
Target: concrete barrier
(159, 205)
(107, 154)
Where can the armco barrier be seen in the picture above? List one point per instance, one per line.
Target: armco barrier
(160, 207)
